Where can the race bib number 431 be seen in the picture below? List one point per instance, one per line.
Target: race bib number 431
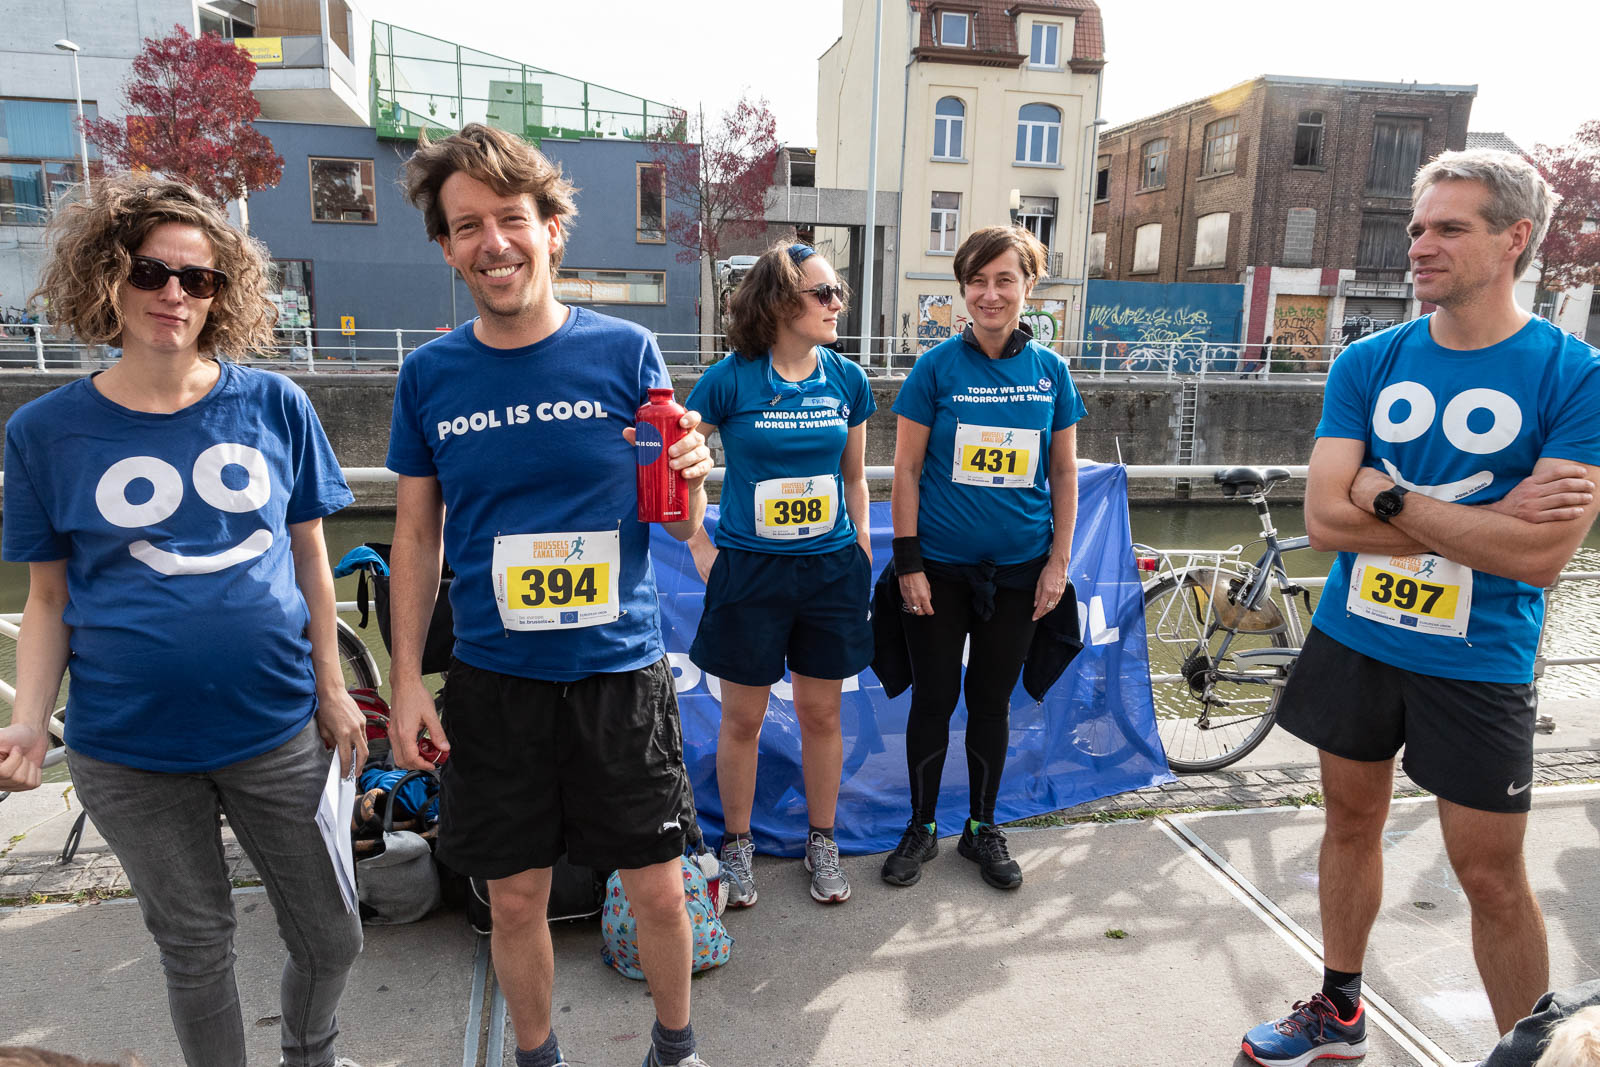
(557, 581)
(1425, 593)
(1000, 457)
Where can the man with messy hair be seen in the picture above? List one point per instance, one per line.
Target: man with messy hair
(513, 441)
(1454, 473)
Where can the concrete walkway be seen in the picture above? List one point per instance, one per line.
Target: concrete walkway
(1151, 942)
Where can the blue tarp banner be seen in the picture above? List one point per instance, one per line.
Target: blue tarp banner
(1144, 324)
(1093, 735)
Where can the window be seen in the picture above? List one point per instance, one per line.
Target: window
(1147, 248)
(1039, 135)
(1211, 240)
(611, 286)
(1097, 255)
(949, 117)
(342, 190)
(1308, 140)
(1396, 155)
(39, 158)
(1045, 50)
(1222, 146)
(945, 223)
(1153, 164)
(1383, 243)
(1038, 216)
(650, 209)
(953, 29)
(1299, 237)
(1102, 179)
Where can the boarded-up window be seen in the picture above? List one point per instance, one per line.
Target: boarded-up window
(1147, 248)
(1222, 146)
(1308, 140)
(1299, 237)
(1211, 240)
(1396, 155)
(1097, 254)
(1383, 243)
(1153, 164)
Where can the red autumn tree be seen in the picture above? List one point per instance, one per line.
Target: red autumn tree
(189, 109)
(718, 179)
(1571, 250)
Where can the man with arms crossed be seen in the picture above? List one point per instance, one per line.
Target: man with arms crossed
(1454, 472)
(512, 439)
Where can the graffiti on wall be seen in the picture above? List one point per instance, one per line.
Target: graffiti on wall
(1047, 320)
(937, 320)
(1358, 326)
(1299, 326)
(1144, 324)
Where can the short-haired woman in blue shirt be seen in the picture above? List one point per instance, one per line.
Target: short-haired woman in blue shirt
(790, 577)
(985, 497)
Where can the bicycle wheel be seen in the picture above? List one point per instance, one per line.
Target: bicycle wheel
(360, 669)
(1199, 736)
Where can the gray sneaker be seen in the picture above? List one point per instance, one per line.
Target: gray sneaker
(828, 883)
(738, 873)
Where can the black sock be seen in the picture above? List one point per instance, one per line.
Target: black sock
(546, 1055)
(825, 831)
(1343, 989)
(731, 838)
(672, 1046)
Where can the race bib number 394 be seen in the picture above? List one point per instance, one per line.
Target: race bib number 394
(1425, 593)
(557, 581)
(1000, 457)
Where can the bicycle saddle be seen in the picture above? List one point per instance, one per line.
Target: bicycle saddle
(1248, 480)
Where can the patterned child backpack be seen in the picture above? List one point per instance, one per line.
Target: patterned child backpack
(712, 942)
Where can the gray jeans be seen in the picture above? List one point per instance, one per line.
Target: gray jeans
(166, 831)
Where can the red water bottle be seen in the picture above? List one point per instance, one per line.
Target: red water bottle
(663, 494)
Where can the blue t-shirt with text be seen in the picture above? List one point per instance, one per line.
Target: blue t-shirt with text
(955, 385)
(529, 441)
(1463, 427)
(766, 436)
(189, 649)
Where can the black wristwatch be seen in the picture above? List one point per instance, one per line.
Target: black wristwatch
(1389, 503)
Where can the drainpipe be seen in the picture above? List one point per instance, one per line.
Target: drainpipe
(1094, 152)
(900, 186)
(870, 223)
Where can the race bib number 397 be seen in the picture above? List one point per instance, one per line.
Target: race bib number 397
(1424, 592)
(1001, 457)
(557, 581)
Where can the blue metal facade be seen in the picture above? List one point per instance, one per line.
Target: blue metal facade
(389, 276)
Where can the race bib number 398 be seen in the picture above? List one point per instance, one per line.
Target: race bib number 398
(557, 581)
(1425, 593)
(1001, 457)
(791, 509)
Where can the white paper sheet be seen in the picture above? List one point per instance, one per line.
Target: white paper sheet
(334, 811)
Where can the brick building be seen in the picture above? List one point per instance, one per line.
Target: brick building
(1297, 187)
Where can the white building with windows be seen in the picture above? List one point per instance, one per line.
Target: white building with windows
(987, 114)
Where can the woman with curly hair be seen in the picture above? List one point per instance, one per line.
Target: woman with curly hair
(789, 578)
(170, 512)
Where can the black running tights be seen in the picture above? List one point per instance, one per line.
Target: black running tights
(999, 646)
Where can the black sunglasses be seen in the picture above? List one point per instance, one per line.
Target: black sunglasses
(202, 283)
(826, 294)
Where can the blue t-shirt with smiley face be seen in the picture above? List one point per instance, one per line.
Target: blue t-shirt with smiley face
(188, 641)
(1463, 427)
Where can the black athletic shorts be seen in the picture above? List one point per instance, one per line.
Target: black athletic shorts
(1468, 742)
(592, 768)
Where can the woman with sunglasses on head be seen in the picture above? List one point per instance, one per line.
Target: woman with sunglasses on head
(789, 578)
(985, 497)
(170, 512)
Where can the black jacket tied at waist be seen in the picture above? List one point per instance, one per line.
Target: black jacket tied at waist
(1055, 641)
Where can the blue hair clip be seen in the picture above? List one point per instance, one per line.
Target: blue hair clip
(799, 253)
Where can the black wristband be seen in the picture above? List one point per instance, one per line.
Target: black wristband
(907, 555)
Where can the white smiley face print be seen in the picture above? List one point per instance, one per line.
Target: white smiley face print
(1505, 422)
(111, 497)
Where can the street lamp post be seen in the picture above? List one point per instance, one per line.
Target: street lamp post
(77, 91)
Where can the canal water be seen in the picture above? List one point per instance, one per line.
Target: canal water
(1571, 630)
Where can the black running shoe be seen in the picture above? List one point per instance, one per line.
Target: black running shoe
(917, 846)
(987, 848)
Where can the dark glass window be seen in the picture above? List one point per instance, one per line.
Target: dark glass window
(1308, 140)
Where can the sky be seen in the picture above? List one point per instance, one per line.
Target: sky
(1535, 82)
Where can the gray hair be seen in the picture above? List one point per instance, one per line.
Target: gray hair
(1517, 191)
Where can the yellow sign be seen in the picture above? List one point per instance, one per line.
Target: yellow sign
(262, 49)
(347, 325)
(1408, 593)
(799, 511)
(979, 459)
(558, 585)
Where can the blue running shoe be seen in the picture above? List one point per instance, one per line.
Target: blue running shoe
(1312, 1031)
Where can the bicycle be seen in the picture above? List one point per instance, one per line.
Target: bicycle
(1221, 647)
